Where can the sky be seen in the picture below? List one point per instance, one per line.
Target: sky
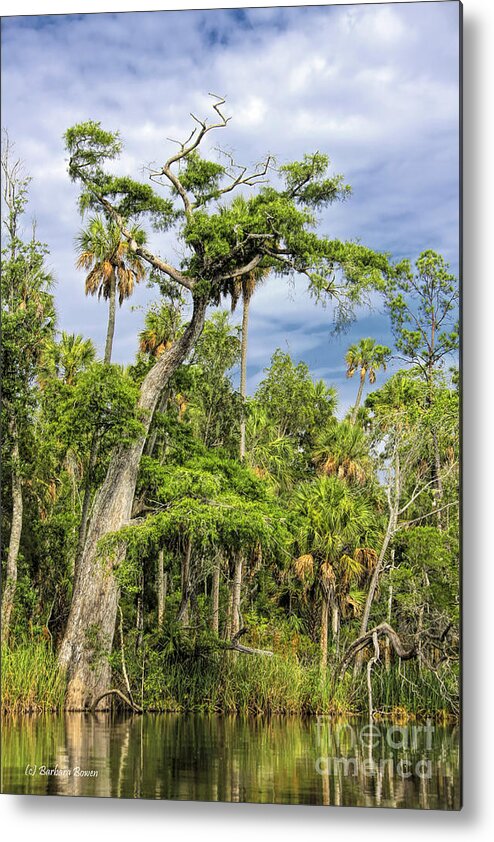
(373, 86)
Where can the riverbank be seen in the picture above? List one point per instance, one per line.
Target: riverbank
(32, 682)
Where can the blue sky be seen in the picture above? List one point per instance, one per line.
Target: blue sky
(374, 86)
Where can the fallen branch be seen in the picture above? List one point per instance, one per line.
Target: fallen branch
(246, 650)
(115, 692)
(382, 630)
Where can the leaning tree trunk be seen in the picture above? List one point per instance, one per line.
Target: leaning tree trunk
(394, 502)
(88, 637)
(15, 536)
(243, 370)
(390, 530)
(94, 451)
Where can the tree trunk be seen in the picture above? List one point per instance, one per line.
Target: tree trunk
(236, 595)
(387, 645)
(183, 611)
(140, 611)
(10, 585)
(88, 637)
(324, 632)
(151, 441)
(377, 572)
(227, 631)
(394, 503)
(335, 625)
(359, 397)
(161, 588)
(112, 306)
(93, 454)
(243, 370)
(215, 596)
(439, 482)
(93, 458)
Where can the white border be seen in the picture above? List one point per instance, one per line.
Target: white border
(43, 818)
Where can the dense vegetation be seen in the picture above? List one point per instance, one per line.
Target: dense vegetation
(218, 551)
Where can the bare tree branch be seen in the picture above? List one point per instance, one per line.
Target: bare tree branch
(246, 650)
(140, 250)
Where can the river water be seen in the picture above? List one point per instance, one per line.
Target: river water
(282, 760)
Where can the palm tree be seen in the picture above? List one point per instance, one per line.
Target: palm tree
(113, 266)
(366, 357)
(161, 329)
(66, 358)
(270, 455)
(342, 450)
(334, 523)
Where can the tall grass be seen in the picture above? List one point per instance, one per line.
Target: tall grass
(31, 679)
(407, 691)
(251, 685)
(233, 683)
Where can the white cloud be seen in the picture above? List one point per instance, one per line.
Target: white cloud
(375, 87)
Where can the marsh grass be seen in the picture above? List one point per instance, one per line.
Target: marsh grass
(32, 681)
(282, 685)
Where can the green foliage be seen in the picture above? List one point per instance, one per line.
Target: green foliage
(332, 519)
(342, 449)
(202, 178)
(213, 405)
(64, 359)
(423, 307)
(274, 227)
(104, 400)
(298, 406)
(298, 524)
(306, 183)
(220, 504)
(425, 554)
(89, 146)
(32, 681)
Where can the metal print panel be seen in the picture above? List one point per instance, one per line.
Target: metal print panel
(230, 484)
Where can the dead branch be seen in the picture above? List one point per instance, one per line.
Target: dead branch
(382, 630)
(142, 251)
(250, 180)
(115, 692)
(188, 146)
(196, 136)
(370, 664)
(246, 650)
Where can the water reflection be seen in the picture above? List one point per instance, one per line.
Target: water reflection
(284, 760)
